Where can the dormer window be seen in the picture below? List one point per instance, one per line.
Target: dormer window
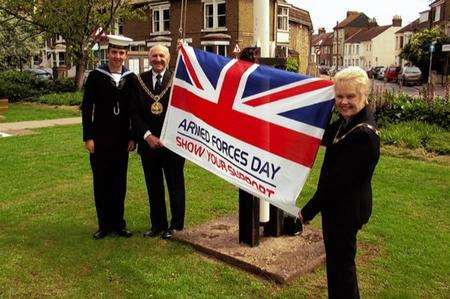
(283, 18)
(214, 14)
(161, 19)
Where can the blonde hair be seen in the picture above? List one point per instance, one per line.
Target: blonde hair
(354, 75)
(163, 48)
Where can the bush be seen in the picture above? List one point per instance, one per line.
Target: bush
(391, 108)
(65, 98)
(416, 134)
(292, 65)
(25, 86)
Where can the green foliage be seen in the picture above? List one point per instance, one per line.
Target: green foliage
(417, 50)
(65, 98)
(18, 86)
(399, 107)
(415, 134)
(292, 64)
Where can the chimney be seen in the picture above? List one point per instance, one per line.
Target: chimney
(397, 21)
(352, 13)
(321, 30)
(372, 23)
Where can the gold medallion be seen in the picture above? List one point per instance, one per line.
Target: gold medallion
(156, 108)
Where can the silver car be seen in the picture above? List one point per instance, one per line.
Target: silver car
(409, 75)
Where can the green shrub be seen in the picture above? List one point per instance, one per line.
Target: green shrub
(19, 86)
(292, 65)
(65, 98)
(396, 108)
(417, 134)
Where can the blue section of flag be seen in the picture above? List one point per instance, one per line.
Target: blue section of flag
(211, 64)
(265, 78)
(315, 115)
(182, 72)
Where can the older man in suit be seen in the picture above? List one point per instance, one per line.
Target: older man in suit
(151, 99)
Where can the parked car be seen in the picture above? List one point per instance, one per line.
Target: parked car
(380, 74)
(41, 74)
(410, 75)
(372, 71)
(323, 69)
(391, 73)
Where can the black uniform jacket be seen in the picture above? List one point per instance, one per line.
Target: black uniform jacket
(143, 119)
(344, 192)
(105, 110)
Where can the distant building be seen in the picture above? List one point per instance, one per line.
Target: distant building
(321, 49)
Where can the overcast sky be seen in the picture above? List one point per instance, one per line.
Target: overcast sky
(325, 13)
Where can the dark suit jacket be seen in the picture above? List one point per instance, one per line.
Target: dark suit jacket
(109, 131)
(143, 118)
(344, 192)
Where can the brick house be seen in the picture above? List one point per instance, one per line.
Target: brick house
(321, 47)
(439, 15)
(217, 26)
(354, 22)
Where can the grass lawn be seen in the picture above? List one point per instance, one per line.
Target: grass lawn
(31, 111)
(47, 217)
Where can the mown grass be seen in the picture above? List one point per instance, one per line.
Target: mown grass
(29, 111)
(48, 216)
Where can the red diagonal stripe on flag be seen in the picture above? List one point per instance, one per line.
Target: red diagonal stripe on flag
(284, 142)
(190, 68)
(294, 91)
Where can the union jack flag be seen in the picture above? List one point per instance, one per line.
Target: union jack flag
(279, 113)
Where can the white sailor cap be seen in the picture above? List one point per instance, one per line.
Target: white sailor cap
(119, 41)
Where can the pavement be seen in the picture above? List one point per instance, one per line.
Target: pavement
(19, 128)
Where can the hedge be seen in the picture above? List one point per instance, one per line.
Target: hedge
(63, 98)
(17, 86)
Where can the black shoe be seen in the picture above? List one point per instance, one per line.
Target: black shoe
(100, 234)
(124, 233)
(167, 234)
(151, 233)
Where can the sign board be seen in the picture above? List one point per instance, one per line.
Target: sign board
(236, 49)
(446, 48)
(432, 48)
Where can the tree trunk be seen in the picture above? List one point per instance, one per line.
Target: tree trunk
(80, 67)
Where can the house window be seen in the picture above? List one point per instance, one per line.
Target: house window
(146, 64)
(216, 49)
(103, 59)
(214, 14)
(62, 58)
(283, 18)
(357, 49)
(437, 13)
(161, 19)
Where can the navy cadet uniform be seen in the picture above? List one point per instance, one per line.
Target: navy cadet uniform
(106, 120)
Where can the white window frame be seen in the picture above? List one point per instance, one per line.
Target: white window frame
(283, 18)
(215, 15)
(437, 13)
(216, 45)
(160, 9)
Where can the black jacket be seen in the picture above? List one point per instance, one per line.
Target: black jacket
(105, 110)
(344, 191)
(143, 119)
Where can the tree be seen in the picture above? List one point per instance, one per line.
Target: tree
(75, 20)
(417, 50)
(19, 42)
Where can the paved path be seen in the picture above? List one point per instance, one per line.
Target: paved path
(13, 128)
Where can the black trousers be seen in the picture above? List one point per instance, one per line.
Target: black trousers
(110, 184)
(158, 164)
(340, 249)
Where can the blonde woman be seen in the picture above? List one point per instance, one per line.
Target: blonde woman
(344, 192)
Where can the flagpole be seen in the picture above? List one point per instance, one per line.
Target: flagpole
(261, 30)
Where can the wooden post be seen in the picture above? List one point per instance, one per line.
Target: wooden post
(248, 219)
(3, 106)
(274, 227)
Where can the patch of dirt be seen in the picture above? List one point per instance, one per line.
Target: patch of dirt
(415, 154)
(280, 259)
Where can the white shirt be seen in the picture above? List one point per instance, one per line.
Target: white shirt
(154, 79)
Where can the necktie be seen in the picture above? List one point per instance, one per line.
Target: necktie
(158, 83)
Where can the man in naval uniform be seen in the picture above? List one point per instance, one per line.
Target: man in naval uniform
(107, 135)
(150, 105)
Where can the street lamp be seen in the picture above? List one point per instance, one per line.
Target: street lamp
(432, 46)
